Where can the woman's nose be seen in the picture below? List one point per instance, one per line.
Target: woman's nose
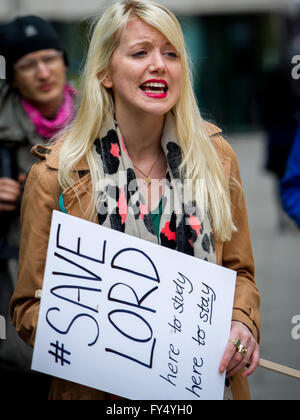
(157, 63)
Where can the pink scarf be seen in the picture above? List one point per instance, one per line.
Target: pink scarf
(49, 128)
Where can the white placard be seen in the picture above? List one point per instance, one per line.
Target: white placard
(129, 317)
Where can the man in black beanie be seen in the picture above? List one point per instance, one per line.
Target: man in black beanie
(35, 104)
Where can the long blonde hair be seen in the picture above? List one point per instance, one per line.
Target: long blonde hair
(200, 160)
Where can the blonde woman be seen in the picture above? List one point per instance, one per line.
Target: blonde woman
(140, 159)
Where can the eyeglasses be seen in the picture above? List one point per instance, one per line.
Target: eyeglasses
(51, 61)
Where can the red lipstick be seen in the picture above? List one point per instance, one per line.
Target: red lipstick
(155, 88)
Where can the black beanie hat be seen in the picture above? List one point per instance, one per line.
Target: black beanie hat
(25, 35)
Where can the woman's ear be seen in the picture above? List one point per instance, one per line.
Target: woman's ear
(105, 81)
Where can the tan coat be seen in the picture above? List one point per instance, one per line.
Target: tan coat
(41, 198)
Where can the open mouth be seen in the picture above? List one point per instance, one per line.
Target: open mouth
(155, 87)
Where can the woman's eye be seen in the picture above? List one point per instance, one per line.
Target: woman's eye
(172, 54)
(139, 54)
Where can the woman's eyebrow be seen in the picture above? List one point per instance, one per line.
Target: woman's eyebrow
(145, 42)
(138, 43)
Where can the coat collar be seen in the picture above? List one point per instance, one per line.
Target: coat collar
(50, 154)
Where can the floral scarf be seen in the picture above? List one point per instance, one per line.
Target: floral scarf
(49, 128)
(121, 205)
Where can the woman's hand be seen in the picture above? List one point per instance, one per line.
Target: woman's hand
(232, 360)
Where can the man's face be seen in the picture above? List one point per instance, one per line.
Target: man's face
(40, 77)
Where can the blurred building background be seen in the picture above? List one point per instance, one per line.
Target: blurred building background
(233, 45)
(242, 56)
